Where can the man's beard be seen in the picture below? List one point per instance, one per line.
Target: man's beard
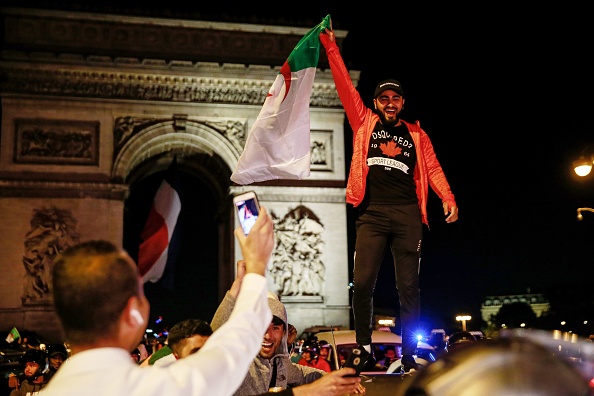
(32, 377)
(386, 122)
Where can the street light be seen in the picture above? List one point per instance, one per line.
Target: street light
(583, 165)
(580, 210)
(463, 319)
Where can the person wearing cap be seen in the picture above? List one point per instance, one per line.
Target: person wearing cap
(393, 164)
(56, 355)
(272, 369)
(312, 358)
(32, 380)
(325, 350)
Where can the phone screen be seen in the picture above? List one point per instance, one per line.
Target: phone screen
(247, 211)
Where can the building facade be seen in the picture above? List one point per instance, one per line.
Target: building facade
(94, 105)
(492, 304)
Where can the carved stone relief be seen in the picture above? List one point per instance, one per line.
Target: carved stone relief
(233, 130)
(52, 231)
(321, 150)
(296, 267)
(145, 86)
(56, 141)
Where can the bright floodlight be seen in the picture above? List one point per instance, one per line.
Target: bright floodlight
(463, 319)
(582, 166)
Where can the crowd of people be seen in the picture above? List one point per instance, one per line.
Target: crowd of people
(248, 347)
(38, 367)
(242, 351)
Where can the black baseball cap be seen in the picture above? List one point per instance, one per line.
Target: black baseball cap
(384, 85)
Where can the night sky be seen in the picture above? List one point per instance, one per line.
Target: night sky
(507, 102)
(507, 99)
(506, 95)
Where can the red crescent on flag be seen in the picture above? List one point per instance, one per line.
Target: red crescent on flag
(286, 72)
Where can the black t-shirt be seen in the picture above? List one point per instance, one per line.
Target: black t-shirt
(391, 160)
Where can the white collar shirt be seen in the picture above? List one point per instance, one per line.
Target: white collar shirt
(217, 369)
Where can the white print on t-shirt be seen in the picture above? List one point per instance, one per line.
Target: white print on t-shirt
(388, 163)
(397, 139)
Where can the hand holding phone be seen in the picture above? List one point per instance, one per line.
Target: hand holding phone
(356, 360)
(247, 208)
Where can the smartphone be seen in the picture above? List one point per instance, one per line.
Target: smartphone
(356, 360)
(247, 209)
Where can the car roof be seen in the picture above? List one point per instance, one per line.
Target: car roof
(342, 337)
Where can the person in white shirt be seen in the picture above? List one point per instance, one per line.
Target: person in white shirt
(99, 299)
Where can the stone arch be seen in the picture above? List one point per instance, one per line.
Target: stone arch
(205, 154)
(187, 138)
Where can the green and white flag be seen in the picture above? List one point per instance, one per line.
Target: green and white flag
(278, 144)
(13, 335)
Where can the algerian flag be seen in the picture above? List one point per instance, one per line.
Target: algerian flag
(13, 335)
(278, 144)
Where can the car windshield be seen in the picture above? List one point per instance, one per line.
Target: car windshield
(379, 351)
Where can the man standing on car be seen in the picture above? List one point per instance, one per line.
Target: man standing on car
(392, 167)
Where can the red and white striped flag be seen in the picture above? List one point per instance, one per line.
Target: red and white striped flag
(155, 251)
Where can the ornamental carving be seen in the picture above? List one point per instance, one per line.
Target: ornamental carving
(139, 86)
(52, 231)
(57, 141)
(296, 267)
(125, 128)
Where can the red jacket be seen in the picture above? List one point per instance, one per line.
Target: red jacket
(427, 172)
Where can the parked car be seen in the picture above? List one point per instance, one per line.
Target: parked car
(343, 341)
(310, 332)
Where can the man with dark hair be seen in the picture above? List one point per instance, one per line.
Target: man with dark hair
(393, 165)
(272, 368)
(98, 296)
(184, 339)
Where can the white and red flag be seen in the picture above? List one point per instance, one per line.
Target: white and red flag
(278, 144)
(158, 248)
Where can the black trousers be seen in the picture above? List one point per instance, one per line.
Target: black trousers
(401, 227)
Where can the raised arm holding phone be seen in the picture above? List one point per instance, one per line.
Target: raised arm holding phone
(98, 296)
